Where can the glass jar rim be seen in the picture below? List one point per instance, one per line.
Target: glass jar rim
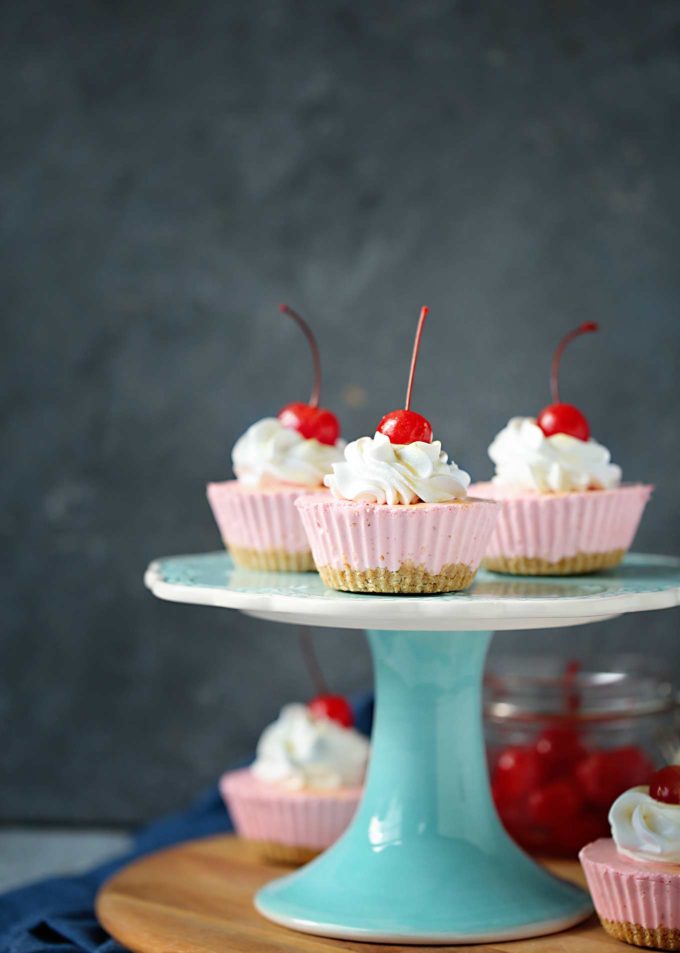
(619, 687)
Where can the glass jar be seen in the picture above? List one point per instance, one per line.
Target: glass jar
(564, 742)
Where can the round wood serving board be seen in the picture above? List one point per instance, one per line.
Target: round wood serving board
(197, 898)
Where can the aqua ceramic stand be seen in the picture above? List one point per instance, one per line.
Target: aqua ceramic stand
(426, 859)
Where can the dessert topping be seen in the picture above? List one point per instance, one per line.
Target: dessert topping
(301, 751)
(334, 707)
(406, 426)
(401, 464)
(310, 420)
(664, 784)
(324, 704)
(269, 453)
(647, 827)
(528, 460)
(559, 417)
(377, 471)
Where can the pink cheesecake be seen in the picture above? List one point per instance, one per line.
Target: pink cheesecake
(260, 525)
(636, 902)
(562, 533)
(564, 510)
(378, 547)
(289, 826)
(274, 461)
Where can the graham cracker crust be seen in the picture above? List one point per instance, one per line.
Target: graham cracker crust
(407, 580)
(272, 560)
(283, 853)
(569, 566)
(656, 938)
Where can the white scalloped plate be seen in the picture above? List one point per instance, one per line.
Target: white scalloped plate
(493, 602)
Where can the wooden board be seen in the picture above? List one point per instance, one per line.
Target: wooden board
(197, 898)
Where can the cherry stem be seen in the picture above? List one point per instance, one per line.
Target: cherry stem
(559, 350)
(572, 695)
(311, 661)
(314, 348)
(414, 357)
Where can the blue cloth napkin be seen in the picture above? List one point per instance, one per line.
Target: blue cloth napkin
(57, 915)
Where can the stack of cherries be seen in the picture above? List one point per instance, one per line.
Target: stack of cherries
(553, 796)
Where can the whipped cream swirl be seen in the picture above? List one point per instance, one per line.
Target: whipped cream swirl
(526, 459)
(268, 452)
(646, 829)
(377, 471)
(300, 751)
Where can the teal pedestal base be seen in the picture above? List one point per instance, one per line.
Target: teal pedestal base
(426, 859)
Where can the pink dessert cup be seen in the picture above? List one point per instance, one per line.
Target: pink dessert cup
(422, 548)
(260, 525)
(287, 826)
(636, 902)
(562, 534)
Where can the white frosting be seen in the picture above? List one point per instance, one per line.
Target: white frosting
(268, 452)
(301, 751)
(377, 471)
(525, 458)
(646, 829)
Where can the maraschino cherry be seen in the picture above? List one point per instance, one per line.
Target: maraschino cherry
(333, 707)
(406, 426)
(310, 420)
(323, 705)
(664, 785)
(559, 417)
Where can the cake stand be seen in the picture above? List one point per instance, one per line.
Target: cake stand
(425, 859)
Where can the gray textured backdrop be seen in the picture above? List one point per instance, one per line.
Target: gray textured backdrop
(171, 171)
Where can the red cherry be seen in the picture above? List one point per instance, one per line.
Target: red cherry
(664, 785)
(333, 707)
(310, 420)
(406, 426)
(555, 802)
(559, 417)
(522, 829)
(564, 418)
(604, 775)
(517, 773)
(324, 705)
(559, 748)
(569, 837)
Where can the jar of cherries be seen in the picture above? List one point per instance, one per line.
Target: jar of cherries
(564, 741)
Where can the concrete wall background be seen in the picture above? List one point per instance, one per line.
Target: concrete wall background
(170, 172)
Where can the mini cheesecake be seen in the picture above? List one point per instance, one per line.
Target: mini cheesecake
(420, 548)
(558, 534)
